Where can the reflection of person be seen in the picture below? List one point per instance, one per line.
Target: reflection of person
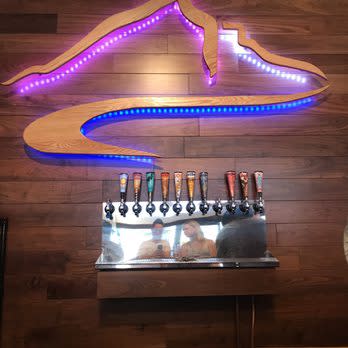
(198, 246)
(111, 251)
(345, 241)
(155, 248)
(242, 237)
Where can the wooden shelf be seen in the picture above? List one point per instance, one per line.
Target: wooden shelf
(188, 282)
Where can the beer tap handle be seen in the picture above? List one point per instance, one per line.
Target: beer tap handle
(190, 178)
(137, 179)
(258, 175)
(150, 179)
(203, 181)
(177, 207)
(244, 181)
(231, 183)
(178, 185)
(259, 204)
(165, 186)
(164, 207)
(230, 177)
(123, 208)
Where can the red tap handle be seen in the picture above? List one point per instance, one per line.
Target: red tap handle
(165, 185)
(230, 177)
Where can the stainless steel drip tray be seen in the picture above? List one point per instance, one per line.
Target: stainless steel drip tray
(262, 262)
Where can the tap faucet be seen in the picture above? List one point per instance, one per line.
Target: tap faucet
(190, 178)
(109, 209)
(137, 178)
(150, 179)
(164, 207)
(123, 208)
(230, 177)
(259, 203)
(217, 207)
(244, 180)
(177, 207)
(203, 181)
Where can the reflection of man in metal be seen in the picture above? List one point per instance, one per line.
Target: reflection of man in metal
(345, 241)
(242, 237)
(155, 248)
(112, 252)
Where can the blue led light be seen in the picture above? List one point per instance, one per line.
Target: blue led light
(205, 111)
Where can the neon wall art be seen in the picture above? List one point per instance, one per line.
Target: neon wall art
(64, 131)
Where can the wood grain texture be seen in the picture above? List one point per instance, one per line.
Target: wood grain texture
(130, 284)
(127, 17)
(267, 56)
(55, 304)
(60, 132)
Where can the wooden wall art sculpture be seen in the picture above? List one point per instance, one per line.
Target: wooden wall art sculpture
(64, 131)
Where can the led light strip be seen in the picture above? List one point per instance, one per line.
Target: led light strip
(121, 34)
(202, 111)
(109, 40)
(248, 56)
(271, 69)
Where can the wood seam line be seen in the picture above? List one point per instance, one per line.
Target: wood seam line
(116, 21)
(60, 131)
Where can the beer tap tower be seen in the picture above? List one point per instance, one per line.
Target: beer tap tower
(220, 207)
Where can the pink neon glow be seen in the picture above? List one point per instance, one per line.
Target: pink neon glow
(110, 39)
(121, 34)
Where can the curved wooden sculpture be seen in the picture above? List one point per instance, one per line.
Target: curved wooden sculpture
(122, 19)
(270, 57)
(60, 132)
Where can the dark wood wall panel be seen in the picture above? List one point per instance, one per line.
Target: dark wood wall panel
(54, 204)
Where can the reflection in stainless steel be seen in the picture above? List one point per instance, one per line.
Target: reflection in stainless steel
(214, 241)
(217, 207)
(200, 263)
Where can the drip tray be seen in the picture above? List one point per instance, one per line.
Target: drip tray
(262, 262)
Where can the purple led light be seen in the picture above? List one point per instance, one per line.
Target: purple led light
(121, 34)
(106, 42)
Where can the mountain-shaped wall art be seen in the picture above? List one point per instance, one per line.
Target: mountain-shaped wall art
(65, 131)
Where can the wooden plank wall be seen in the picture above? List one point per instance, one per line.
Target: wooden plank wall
(53, 205)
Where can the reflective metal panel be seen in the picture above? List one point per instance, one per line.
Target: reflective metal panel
(175, 241)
